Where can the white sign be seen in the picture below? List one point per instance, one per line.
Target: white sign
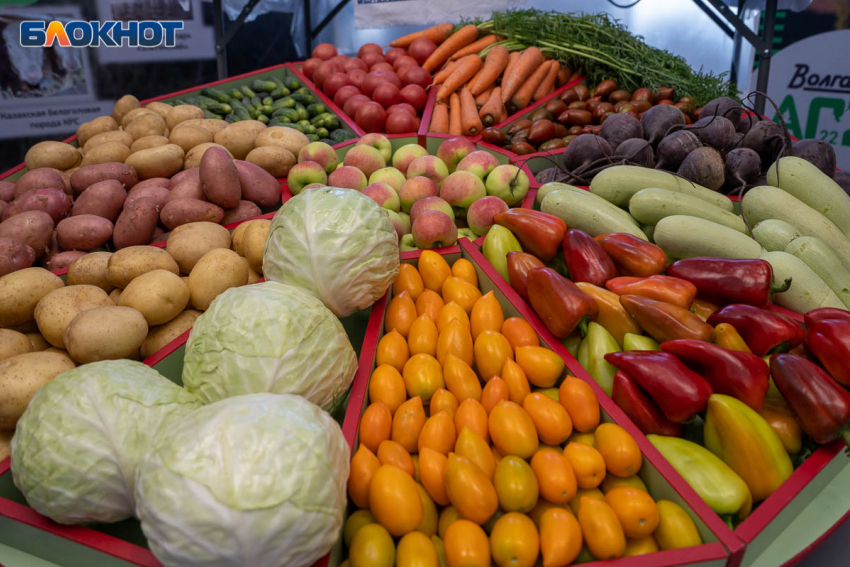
(810, 81)
(389, 13)
(50, 120)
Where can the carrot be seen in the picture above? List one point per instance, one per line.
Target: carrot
(530, 61)
(547, 85)
(522, 97)
(512, 59)
(563, 75)
(470, 123)
(467, 68)
(461, 38)
(496, 61)
(444, 73)
(483, 97)
(476, 46)
(574, 76)
(440, 119)
(455, 127)
(474, 78)
(437, 34)
(492, 110)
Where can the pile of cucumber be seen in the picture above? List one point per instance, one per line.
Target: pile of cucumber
(274, 102)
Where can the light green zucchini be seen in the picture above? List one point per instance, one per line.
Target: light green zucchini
(651, 205)
(774, 234)
(648, 230)
(617, 184)
(808, 290)
(766, 202)
(812, 186)
(824, 262)
(547, 188)
(580, 210)
(682, 236)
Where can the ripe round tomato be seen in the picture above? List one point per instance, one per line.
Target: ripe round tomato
(461, 292)
(375, 425)
(516, 381)
(465, 270)
(619, 449)
(455, 339)
(409, 280)
(494, 392)
(461, 379)
(443, 400)
(514, 541)
(551, 420)
(423, 376)
(364, 465)
(372, 546)
(416, 550)
(587, 463)
(438, 433)
(432, 471)
(466, 545)
(407, 424)
(635, 509)
(451, 310)
(355, 521)
(392, 453)
(675, 528)
(434, 270)
(512, 430)
(602, 531)
(392, 349)
(542, 366)
(401, 312)
(578, 399)
(554, 475)
(516, 485)
(422, 338)
(387, 385)
(472, 414)
(560, 537)
(519, 332)
(486, 314)
(471, 446)
(469, 489)
(431, 303)
(640, 546)
(491, 350)
(394, 500)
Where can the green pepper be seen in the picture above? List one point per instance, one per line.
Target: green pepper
(591, 355)
(497, 244)
(632, 341)
(572, 344)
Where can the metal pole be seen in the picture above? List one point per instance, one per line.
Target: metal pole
(765, 53)
(218, 33)
(737, 42)
(308, 29)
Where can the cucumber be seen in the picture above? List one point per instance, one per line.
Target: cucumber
(268, 101)
(808, 291)
(617, 184)
(825, 263)
(316, 108)
(651, 205)
(208, 114)
(304, 99)
(812, 186)
(774, 234)
(339, 135)
(220, 108)
(293, 84)
(249, 94)
(216, 94)
(231, 118)
(235, 94)
(322, 132)
(765, 202)
(263, 118)
(279, 92)
(585, 212)
(682, 236)
(241, 112)
(260, 85)
(548, 188)
(286, 102)
(313, 137)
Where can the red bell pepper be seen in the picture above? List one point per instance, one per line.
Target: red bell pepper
(519, 263)
(822, 406)
(765, 332)
(640, 408)
(825, 313)
(738, 374)
(680, 392)
(633, 256)
(724, 281)
(660, 288)
(829, 341)
(539, 233)
(665, 321)
(586, 260)
(559, 302)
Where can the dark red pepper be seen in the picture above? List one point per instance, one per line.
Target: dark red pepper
(640, 408)
(765, 332)
(519, 263)
(724, 281)
(824, 314)
(680, 392)
(633, 256)
(539, 233)
(821, 405)
(829, 341)
(559, 302)
(738, 374)
(586, 260)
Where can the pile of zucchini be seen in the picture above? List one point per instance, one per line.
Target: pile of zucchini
(274, 102)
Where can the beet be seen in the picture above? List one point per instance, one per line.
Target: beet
(817, 152)
(725, 107)
(637, 150)
(674, 148)
(703, 166)
(747, 122)
(584, 150)
(658, 120)
(743, 166)
(843, 179)
(767, 138)
(620, 127)
(714, 131)
(739, 137)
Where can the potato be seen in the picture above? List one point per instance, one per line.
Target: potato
(33, 228)
(236, 237)
(160, 336)
(13, 343)
(56, 309)
(52, 154)
(189, 188)
(136, 224)
(159, 235)
(160, 108)
(90, 270)
(254, 242)
(277, 161)
(83, 232)
(212, 124)
(37, 342)
(5, 444)
(87, 176)
(104, 199)
(119, 136)
(219, 178)
(66, 179)
(193, 156)
(161, 161)
(21, 291)
(148, 142)
(133, 114)
(192, 173)
(258, 185)
(92, 128)
(183, 112)
(54, 202)
(3, 206)
(106, 152)
(217, 271)
(20, 378)
(253, 277)
(244, 210)
(7, 190)
(115, 295)
(129, 263)
(14, 255)
(159, 195)
(150, 124)
(182, 211)
(124, 105)
(63, 259)
(105, 333)
(41, 178)
(239, 137)
(287, 138)
(158, 295)
(187, 137)
(188, 242)
(152, 182)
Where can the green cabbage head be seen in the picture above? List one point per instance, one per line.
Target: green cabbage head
(337, 245)
(269, 337)
(257, 480)
(77, 446)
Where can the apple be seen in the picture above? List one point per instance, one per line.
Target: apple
(387, 94)
(467, 232)
(405, 221)
(479, 162)
(431, 167)
(389, 175)
(355, 102)
(354, 63)
(367, 47)
(398, 225)
(415, 96)
(365, 158)
(482, 212)
(345, 93)
(379, 142)
(508, 182)
(334, 83)
(407, 244)
(406, 154)
(414, 189)
(313, 186)
(321, 153)
(400, 122)
(303, 174)
(371, 116)
(433, 229)
(430, 204)
(421, 49)
(460, 189)
(384, 195)
(453, 150)
(347, 177)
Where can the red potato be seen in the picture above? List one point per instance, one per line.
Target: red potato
(371, 116)
(152, 182)
(258, 185)
(357, 76)
(158, 194)
(7, 191)
(136, 224)
(193, 173)
(244, 210)
(386, 94)
(415, 96)
(83, 232)
(395, 53)
(406, 61)
(187, 189)
(325, 70)
(63, 259)
(310, 66)
(399, 122)
(354, 63)
(104, 199)
(219, 178)
(41, 178)
(382, 66)
(52, 248)
(3, 206)
(54, 202)
(324, 51)
(369, 48)
(90, 174)
(421, 49)
(33, 228)
(183, 211)
(415, 76)
(334, 83)
(401, 107)
(14, 255)
(345, 93)
(355, 102)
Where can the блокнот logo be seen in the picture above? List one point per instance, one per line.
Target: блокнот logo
(77, 33)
